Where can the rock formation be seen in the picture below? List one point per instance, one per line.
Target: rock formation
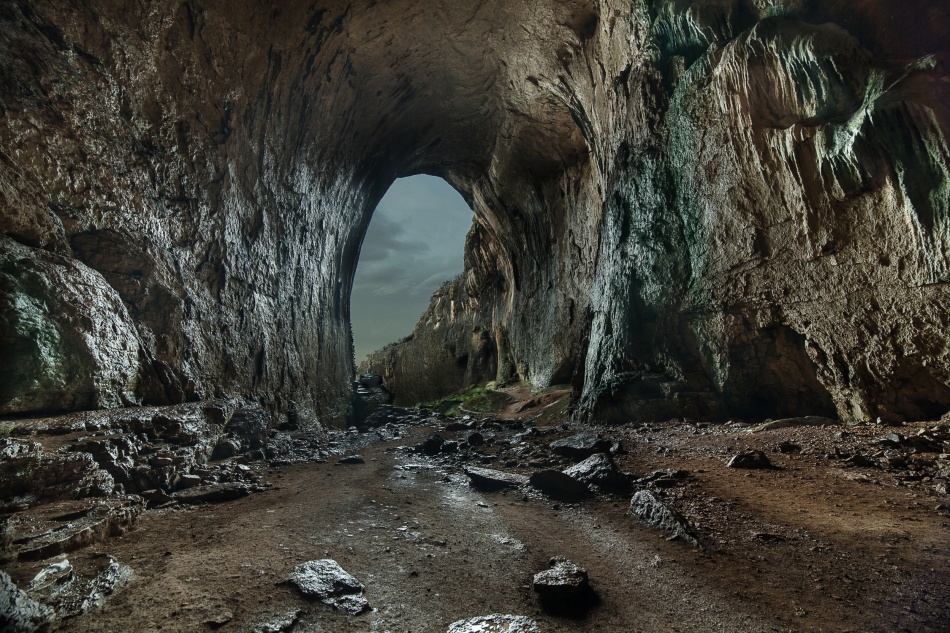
(682, 207)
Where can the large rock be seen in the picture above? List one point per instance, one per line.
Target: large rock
(66, 338)
(18, 612)
(495, 623)
(559, 485)
(601, 471)
(564, 588)
(580, 446)
(325, 580)
(213, 493)
(681, 208)
(491, 479)
(648, 508)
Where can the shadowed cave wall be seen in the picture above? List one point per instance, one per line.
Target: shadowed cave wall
(682, 208)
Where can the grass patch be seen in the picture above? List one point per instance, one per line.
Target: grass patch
(478, 399)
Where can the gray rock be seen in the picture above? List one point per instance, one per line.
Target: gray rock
(76, 594)
(600, 470)
(475, 439)
(280, 623)
(490, 479)
(564, 588)
(91, 523)
(213, 493)
(495, 623)
(558, 485)
(432, 445)
(663, 478)
(369, 396)
(352, 459)
(648, 508)
(249, 425)
(18, 612)
(68, 340)
(28, 475)
(326, 581)
(226, 447)
(751, 460)
(371, 381)
(784, 423)
(563, 581)
(580, 446)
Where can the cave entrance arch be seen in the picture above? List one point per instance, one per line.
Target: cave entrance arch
(413, 245)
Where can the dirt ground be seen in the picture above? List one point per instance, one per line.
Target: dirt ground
(811, 545)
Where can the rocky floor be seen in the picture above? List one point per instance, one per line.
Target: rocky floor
(844, 529)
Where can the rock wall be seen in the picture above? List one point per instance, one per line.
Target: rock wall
(703, 208)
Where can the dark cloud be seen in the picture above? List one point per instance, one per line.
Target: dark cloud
(388, 238)
(414, 243)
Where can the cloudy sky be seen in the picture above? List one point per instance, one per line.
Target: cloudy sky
(414, 243)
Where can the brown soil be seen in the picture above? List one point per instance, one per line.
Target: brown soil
(809, 546)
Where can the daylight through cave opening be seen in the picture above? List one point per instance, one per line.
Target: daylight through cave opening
(412, 248)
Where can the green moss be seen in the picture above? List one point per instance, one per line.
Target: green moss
(477, 399)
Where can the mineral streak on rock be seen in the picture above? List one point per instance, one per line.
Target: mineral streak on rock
(681, 208)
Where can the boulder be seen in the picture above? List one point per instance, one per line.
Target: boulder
(564, 587)
(213, 493)
(580, 446)
(750, 460)
(326, 581)
(18, 612)
(558, 485)
(601, 471)
(648, 508)
(432, 445)
(495, 623)
(490, 479)
(249, 425)
(67, 338)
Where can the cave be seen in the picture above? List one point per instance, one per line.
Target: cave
(703, 298)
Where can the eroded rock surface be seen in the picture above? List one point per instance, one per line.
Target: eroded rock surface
(681, 208)
(650, 509)
(18, 612)
(326, 581)
(495, 623)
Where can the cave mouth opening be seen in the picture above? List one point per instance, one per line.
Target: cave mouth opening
(414, 243)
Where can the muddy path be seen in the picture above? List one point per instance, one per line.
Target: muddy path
(797, 549)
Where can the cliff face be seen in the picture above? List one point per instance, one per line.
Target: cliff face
(448, 350)
(728, 206)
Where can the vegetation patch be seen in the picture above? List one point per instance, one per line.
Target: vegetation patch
(478, 399)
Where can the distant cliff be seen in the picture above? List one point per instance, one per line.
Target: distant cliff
(447, 351)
